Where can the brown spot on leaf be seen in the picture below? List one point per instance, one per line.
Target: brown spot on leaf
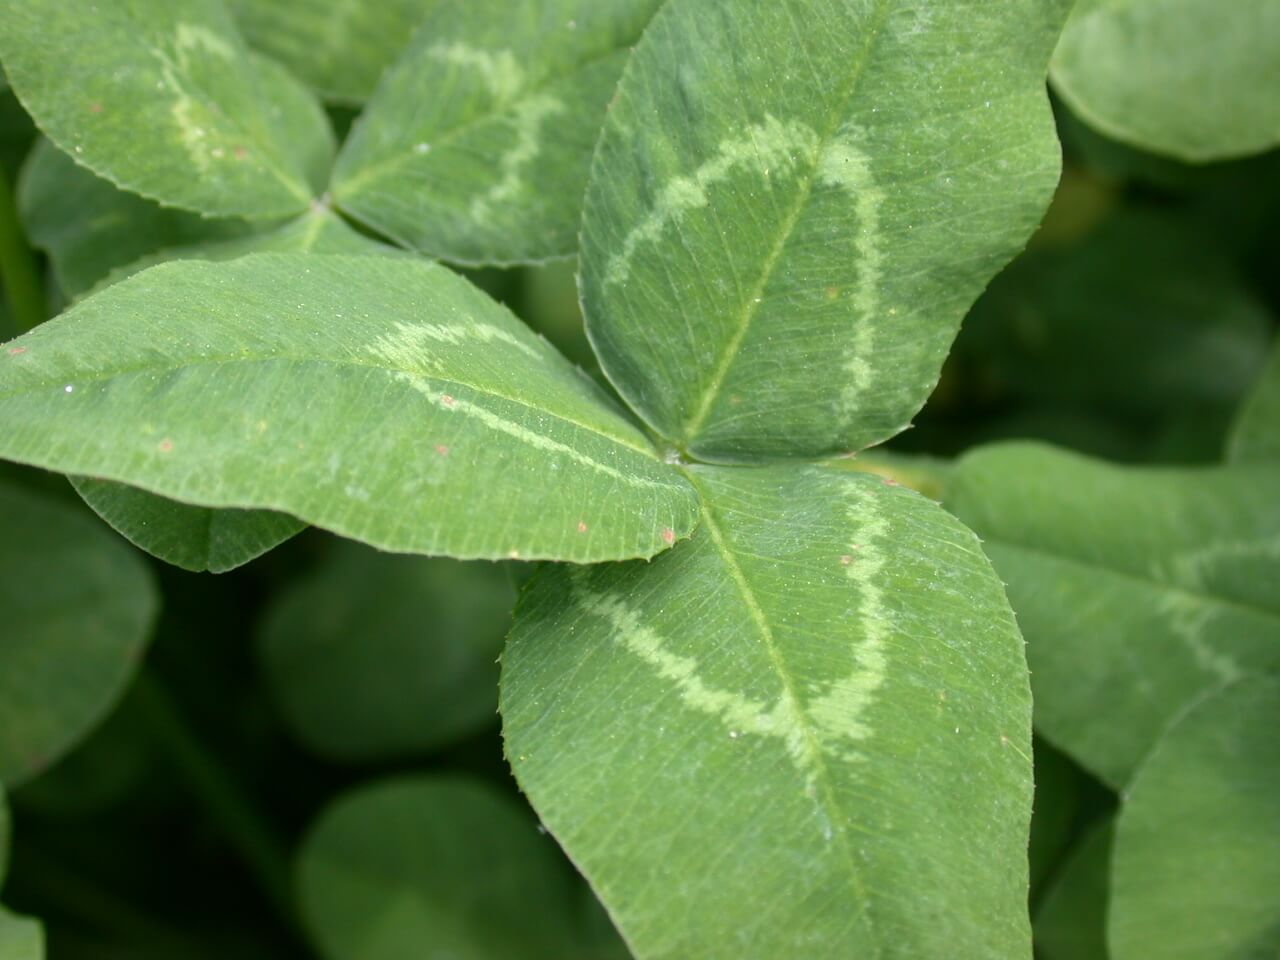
(845, 560)
(240, 153)
(582, 527)
(668, 536)
(833, 292)
(165, 445)
(17, 350)
(442, 449)
(446, 399)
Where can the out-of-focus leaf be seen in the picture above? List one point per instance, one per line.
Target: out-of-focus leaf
(1255, 435)
(1057, 799)
(339, 50)
(78, 607)
(1190, 78)
(1140, 319)
(88, 227)
(437, 867)
(1138, 589)
(1071, 922)
(491, 167)
(194, 538)
(21, 938)
(375, 656)
(1197, 843)
(794, 202)
(383, 398)
(804, 733)
(319, 230)
(161, 97)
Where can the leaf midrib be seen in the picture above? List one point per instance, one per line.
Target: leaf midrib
(812, 746)
(105, 376)
(751, 305)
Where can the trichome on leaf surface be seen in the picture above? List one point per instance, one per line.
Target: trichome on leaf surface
(554, 359)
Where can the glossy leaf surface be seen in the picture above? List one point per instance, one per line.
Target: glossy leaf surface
(385, 399)
(1138, 589)
(78, 608)
(490, 168)
(1190, 78)
(373, 656)
(805, 732)
(809, 185)
(1197, 847)
(161, 97)
(436, 866)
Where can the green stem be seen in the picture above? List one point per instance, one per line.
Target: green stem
(18, 270)
(225, 802)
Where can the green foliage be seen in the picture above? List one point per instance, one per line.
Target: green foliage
(373, 657)
(771, 691)
(78, 607)
(1197, 845)
(729, 242)
(1188, 78)
(402, 863)
(886, 721)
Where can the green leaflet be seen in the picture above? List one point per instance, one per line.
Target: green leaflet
(339, 49)
(88, 227)
(444, 865)
(78, 607)
(1197, 846)
(1071, 923)
(804, 733)
(1189, 78)
(1255, 435)
(809, 185)
(194, 538)
(162, 98)
(489, 167)
(198, 538)
(21, 938)
(1137, 589)
(382, 398)
(373, 656)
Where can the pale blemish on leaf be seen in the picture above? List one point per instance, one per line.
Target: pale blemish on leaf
(826, 724)
(192, 36)
(527, 119)
(845, 165)
(409, 346)
(844, 706)
(501, 75)
(772, 148)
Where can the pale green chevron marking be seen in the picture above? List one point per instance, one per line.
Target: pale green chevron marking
(769, 149)
(498, 70)
(1138, 589)
(293, 383)
(814, 185)
(490, 170)
(162, 98)
(836, 655)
